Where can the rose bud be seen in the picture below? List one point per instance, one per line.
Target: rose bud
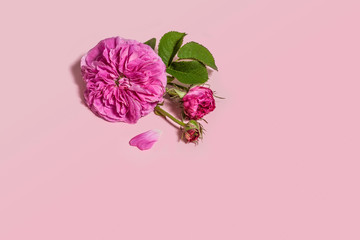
(192, 131)
(198, 102)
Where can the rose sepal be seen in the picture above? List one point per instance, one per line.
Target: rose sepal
(192, 131)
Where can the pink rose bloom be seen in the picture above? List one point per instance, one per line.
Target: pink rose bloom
(125, 79)
(198, 102)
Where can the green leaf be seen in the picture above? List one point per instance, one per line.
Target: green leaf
(169, 45)
(181, 94)
(151, 43)
(192, 72)
(196, 51)
(170, 78)
(173, 92)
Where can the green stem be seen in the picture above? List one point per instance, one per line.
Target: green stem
(179, 86)
(166, 114)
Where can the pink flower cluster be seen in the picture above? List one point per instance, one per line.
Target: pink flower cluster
(126, 80)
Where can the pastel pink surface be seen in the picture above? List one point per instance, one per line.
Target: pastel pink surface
(280, 157)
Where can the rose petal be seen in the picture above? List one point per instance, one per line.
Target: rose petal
(145, 140)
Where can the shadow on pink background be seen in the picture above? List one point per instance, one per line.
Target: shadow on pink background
(280, 158)
(76, 71)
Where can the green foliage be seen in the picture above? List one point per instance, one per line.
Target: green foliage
(196, 51)
(169, 45)
(192, 72)
(151, 43)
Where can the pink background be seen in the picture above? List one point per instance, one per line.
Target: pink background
(280, 158)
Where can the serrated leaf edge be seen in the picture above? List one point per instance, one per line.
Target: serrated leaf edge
(171, 58)
(216, 68)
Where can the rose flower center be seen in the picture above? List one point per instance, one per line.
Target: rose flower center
(122, 81)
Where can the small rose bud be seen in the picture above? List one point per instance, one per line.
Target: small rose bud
(192, 131)
(198, 102)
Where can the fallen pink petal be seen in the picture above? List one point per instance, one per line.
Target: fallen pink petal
(145, 140)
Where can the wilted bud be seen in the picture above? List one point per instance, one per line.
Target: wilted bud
(192, 131)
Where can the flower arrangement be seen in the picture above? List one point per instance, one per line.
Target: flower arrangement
(126, 80)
